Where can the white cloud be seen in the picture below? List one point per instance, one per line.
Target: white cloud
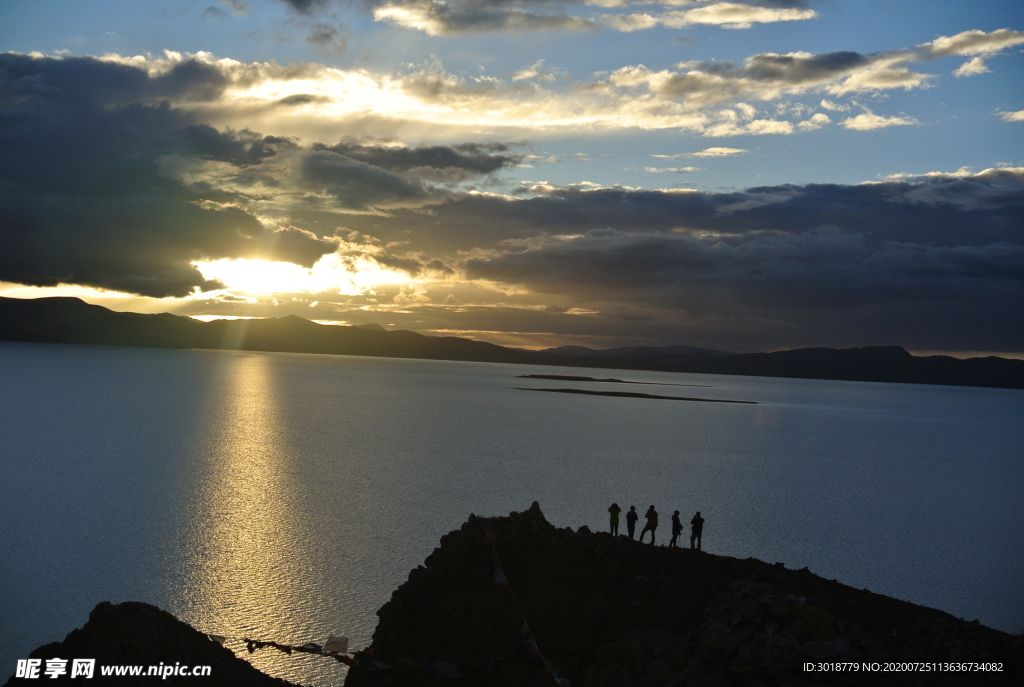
(973, 66)
(834, 107)
(869, 120)
(972, 42)
(756, 127)
(734, 15)
(535, 71)
(707, 152)
(1017, 116)
(879, 80)
(675, 170)
(816, 122)
(961, 173)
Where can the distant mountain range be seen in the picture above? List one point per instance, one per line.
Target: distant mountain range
(70, 320)
(631, 351)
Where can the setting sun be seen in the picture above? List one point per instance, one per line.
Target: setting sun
(330, 273)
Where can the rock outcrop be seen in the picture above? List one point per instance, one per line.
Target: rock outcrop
(134, 633)
(610, 612)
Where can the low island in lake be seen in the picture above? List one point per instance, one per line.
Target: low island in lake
(513, 601)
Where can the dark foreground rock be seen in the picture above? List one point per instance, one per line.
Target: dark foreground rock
(610, 612)
(603, 611)
(133, 633)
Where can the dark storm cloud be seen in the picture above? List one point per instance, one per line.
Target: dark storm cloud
(931, 262)
(307, 6)
(782, 4)
(328, 37)
(107, 184)
(82, 196)
(762, 71)
(472, 157)
(830, 270)
(978, 210)
(357, 185)
(791, 69)
(86, 82)
(302, 99)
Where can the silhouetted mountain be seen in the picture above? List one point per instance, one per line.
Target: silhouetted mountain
(631, 351)
(372, 326)
(70, 320)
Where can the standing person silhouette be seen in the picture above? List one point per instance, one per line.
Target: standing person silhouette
(696, 528)
(677, 527)
(652, 524)
(631, 518)
(615, 510)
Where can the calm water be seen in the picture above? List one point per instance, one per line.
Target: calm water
(284, 496)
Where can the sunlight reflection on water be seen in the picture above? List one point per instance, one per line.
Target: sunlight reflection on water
(249, 567)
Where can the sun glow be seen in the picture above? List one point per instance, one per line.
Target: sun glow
(350, 277)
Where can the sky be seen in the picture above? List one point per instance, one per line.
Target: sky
(743, 176)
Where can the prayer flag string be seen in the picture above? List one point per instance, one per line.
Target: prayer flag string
(337, 647)
(532, 650)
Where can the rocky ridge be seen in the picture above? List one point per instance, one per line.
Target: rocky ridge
(610, 612)
(134, 633)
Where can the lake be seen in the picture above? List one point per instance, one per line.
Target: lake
(284, 496)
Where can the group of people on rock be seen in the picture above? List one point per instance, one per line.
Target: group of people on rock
(696, 525)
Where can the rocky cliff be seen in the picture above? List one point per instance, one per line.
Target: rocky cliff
(138, 634)
(604, 612)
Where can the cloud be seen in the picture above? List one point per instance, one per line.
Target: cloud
(788, 263)
(441, 19)
(438, 18)
(327, 37)
(708, 152)
(767, 76)
(974, 42)
(938, 209)
(101, 191)
(822, 269)
(972, 67)
(834, 107)
(935, 258)
(307, 6)
(674, 170)
(1017, 116)
(735, 15)
(816, 121)
(538, 72)
(238, 7)
(868, 121)
(471, 158)
(713, 99)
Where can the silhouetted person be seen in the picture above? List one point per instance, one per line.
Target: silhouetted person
(615, 510)
(631, 518)
(677, 528)
(652, 524)
(696, 527)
